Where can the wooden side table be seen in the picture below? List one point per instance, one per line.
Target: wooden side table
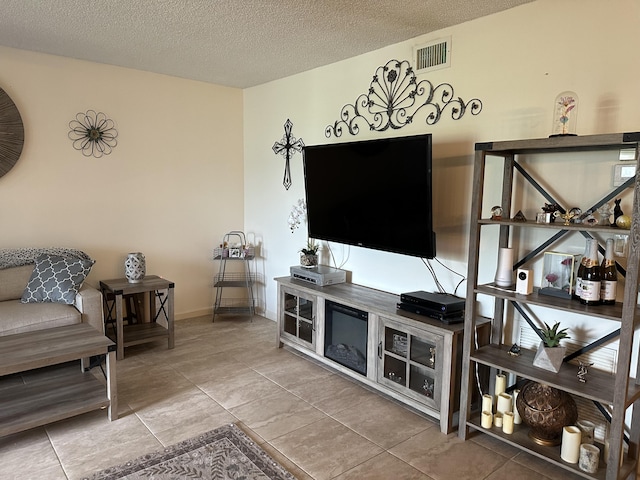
(141, 332)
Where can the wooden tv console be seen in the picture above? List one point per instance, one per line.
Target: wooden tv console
(411, 358)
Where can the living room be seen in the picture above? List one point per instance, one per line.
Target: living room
(195, 160)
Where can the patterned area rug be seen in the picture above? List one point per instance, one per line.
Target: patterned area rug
(225, 453)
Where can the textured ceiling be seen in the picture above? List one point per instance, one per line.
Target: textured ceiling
(238, 43)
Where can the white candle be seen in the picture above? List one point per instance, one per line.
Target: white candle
(487, 403)
(501, 384)
(589, 458)
(497, 420)
(504, 403)
(571, 439)
(486, 419)
(517, 419)
(606, 452)
(507, 423)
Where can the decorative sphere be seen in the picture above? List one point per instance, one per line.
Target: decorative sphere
(623, 221)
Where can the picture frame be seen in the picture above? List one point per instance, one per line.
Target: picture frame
(558, 274)
(236, 253)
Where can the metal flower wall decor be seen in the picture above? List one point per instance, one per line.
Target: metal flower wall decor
(93, 134)
(287, 147)
(395, 97)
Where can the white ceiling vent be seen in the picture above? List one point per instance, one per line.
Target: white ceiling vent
(433, 55)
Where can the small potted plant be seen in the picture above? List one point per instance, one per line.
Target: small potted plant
(550, 353)
(309, 254)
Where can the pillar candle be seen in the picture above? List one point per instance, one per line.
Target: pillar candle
(589, 458)
(517, 419)
(571, 439)
(587, 429)
(501, 384)
(497, 420)
(487, 403)
(606, 452)
(486, 419)
(504, 403)
(507, 423)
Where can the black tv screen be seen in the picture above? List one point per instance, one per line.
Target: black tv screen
(374, 194)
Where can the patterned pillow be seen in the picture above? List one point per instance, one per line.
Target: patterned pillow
(56, 279)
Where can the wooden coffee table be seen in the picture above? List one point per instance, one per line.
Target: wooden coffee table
(54, 398)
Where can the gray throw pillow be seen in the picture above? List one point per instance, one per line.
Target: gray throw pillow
(56, 279)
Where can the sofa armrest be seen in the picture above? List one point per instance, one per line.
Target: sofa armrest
(89, 303)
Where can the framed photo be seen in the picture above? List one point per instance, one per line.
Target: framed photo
(235, 253)
(558, 274)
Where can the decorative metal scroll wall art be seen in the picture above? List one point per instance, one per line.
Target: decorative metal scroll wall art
(93, 134)
(11, 133)
(395, 97)
(287, 147)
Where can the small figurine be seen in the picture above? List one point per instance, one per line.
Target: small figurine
(582, 371)
(496, 213)
(432, 358)
(551, 208)
(617, 211)
(519, 217)
(604, 211)
(514, 351)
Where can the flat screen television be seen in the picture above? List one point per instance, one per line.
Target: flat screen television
(374, 194)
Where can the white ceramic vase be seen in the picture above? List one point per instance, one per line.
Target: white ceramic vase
(135, 267)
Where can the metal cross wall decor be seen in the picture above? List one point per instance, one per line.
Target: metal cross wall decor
(287, 147)
(395, 97)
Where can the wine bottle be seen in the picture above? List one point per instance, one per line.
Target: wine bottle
(591, 277)
(577, 292)
(609, 276)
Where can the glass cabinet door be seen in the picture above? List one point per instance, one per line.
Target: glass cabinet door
(299, 317)
(409, 361)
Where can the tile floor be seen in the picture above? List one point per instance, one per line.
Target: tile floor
(315, 422)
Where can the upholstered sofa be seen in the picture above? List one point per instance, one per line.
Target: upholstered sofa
(44, 288)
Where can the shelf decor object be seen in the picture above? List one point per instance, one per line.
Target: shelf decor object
(287, 147)
(11, 133)
(394, 98)
(565, 114)
(546, 410)
(558, 274)
(93, 134)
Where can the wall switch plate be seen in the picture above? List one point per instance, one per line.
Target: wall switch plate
(623, 172)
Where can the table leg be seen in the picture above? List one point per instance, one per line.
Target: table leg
(170, 314)
(112, 386)
(119, 326)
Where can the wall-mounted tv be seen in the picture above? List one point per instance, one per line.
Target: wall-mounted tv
(373, 194)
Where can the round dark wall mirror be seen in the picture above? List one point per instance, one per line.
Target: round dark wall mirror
(11, 133)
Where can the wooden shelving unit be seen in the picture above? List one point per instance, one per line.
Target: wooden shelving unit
(620, 391)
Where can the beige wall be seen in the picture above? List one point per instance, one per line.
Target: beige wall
(516, 62)
(176, 182)
(171, 188)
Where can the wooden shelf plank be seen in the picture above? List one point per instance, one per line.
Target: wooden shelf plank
(41, 402)
(609, 312)
(521, 440)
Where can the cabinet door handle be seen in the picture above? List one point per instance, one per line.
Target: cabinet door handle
(380, 350)
(313, 323)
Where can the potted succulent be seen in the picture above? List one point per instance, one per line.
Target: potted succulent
(550, 353)
(309, 254)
